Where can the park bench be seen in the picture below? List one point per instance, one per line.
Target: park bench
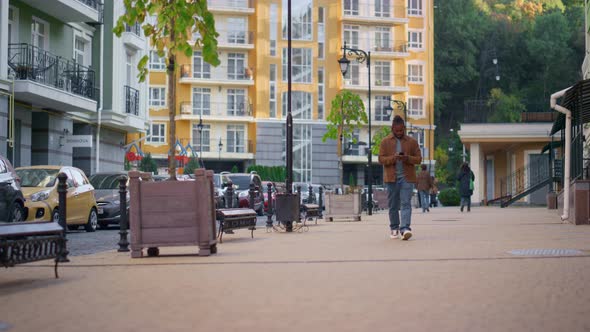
(310, 212)
(230, 219)
(26, 242)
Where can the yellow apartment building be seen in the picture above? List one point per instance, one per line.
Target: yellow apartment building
(242, 103)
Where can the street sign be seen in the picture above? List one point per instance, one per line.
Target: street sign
(78, 141)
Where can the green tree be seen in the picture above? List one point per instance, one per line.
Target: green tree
(378, 137)
(191, 166)
(234, 169)
(505, 108)
(347, 114)
(176, 22)
(148, 164)
(441, 173)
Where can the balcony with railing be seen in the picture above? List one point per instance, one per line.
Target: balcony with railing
(231, 6)
(131, 100)
(376, 13)
(381, 46)
(216, 148)
(236, 39)
(482, 111)
(222, 75)
(132, 37)
(46, 79)
(357, 79)
(89, 11)
(194, 110)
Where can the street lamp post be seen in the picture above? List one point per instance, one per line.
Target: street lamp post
(200, 127)
(362, 56)
(220, 145)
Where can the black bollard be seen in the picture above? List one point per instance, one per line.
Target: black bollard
(229, 195)
(123, 224)
(62, 190)
(269, 204)
(311, 197)
(251, 193)
(321, 203)
(299, 199)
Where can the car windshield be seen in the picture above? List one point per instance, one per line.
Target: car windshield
(217, 180)
(37, 177)
(240, 181)
(105, 181)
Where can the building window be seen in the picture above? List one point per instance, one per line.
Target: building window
(382, 39)
(301, 20)
(201, 69)
(157, 133)
(236, 102)
(157, 62)
(205, 134)
(237, 30)
(351, 148)
(12, 25)
(382, 8)
(236, 68)
(40, 33)
(300, 65)
(351, 35)
(351, 7)
(201, 101)
(301, 104)
(235, 138)
(416, 107)
(128, 68)
(415, 7)
(274, 25)
(353, 73)
(273, 91)
(415, 74)
(157, 97)
(415, 39)
(382, 73)
(381, 102)
(321, 32)
(302, 152)
(321, 93)
(82, 49)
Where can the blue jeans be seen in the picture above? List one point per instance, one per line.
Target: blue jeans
(424, 200)
(399, 194)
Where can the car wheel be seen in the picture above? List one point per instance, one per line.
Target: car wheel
(17, 213)
(55, 216)
(90, 226)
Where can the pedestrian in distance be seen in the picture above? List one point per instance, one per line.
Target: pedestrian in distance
(433, 192)
(465, 179)
(424, 185)
(399, 154)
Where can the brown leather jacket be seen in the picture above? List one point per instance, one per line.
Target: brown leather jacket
(424, 181)
(387, 157)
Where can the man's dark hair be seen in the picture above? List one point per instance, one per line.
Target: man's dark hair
(423, 167)
(397, 120)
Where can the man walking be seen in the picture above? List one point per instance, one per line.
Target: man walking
(424, 186)
(399, 154)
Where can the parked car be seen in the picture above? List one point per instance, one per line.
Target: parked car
(305, 192)
(39, 186)
(12, 201)
(265, 193)
(241, 183)
(106, 193)
(220, 181)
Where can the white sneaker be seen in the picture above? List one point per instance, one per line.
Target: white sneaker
(407, 235)
(394, 234)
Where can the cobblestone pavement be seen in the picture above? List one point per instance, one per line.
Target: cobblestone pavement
(81, 242)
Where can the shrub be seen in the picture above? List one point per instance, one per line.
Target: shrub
(192, 164)
(148, 164)
(449, 197)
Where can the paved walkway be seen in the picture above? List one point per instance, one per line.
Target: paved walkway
(455, 274)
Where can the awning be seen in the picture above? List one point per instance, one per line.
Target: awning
(552, 145)
(577, 100)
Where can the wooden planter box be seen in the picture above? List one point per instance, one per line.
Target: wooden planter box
(343, 207)
(172, 213)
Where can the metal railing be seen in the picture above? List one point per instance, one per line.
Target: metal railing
(232, 37)
(134, 29)
(361, 79)
(131, 100)
(216, 109)
(28, 62)
(206, 72)
(379, 45)
(481, 111)
(242, 4)
(212, 144)
(94, 4)
(369, 9)
(525, 180)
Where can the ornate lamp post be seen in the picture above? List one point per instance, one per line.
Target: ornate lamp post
(220, 145)
(200, 128)
(362, 57)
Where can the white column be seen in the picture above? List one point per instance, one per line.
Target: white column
(477, 166)
(3, 39)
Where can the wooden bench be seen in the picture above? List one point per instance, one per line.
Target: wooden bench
(230, 219)
(26, 242)
(311, 211)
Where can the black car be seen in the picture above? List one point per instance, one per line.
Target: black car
(106, 192)
(12, 201)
